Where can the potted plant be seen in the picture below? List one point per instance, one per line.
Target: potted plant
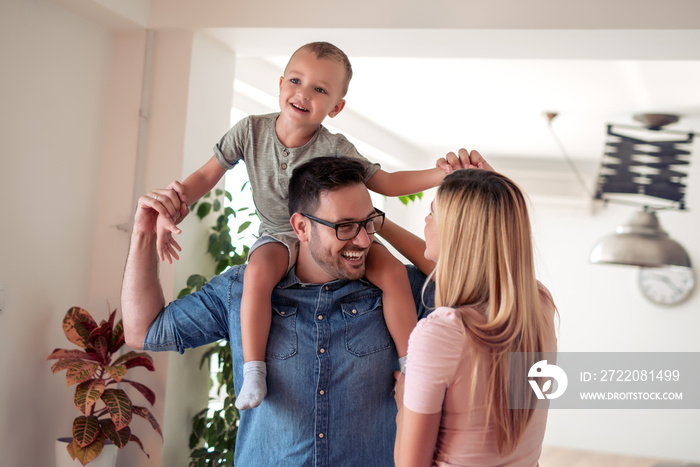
(106, 410)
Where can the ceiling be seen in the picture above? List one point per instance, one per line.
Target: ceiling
(431, 77)
(417, 94)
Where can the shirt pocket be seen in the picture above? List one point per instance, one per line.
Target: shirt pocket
(365, 329)
(282, 341)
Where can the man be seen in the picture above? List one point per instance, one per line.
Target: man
(330, 358)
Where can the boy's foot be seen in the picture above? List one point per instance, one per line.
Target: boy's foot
(254, 387)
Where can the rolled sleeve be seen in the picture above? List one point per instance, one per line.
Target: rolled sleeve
(161, 335)
(196, 319)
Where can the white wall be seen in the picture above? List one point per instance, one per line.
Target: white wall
(602, 309)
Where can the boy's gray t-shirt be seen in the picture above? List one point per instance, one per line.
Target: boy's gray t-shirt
(270, 164)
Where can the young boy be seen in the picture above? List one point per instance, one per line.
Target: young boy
(314, 84)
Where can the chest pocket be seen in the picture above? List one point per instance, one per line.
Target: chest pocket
(282, 342)
(365, 329)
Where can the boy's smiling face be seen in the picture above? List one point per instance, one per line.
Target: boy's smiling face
(310, 90)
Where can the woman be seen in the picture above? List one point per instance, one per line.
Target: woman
(455, 403)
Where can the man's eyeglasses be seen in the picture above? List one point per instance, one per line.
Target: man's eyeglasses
(345, 231)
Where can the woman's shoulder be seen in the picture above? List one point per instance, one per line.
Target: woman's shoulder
(444, 322)
(444, 314)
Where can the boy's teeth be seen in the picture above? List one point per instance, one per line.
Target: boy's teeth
(298, 107)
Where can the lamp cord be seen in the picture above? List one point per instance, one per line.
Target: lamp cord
(568, 159)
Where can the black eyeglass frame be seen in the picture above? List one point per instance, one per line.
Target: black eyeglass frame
(359, 224)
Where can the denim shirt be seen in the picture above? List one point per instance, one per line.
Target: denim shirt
(330, 363)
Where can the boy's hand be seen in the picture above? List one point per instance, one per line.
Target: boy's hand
(172, 199)
(165, 244)
(465, 160)
(182, 197)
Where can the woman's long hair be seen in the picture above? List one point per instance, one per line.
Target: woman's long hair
(486, 262)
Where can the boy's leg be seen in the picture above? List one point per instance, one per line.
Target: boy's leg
(387, 273)
(266, 267)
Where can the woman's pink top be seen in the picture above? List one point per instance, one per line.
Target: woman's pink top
(441, 357)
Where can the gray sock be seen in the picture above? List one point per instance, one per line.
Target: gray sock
(402, 364)
(254, 387)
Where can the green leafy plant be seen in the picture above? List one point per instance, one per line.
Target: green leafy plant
(220, 244)
(410, 198)
(106, 409)
(213, 438)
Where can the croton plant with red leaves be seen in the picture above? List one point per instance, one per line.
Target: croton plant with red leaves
(106, 409)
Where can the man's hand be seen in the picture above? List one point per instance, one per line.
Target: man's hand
(142, 296)
(465, 160)
(159, 212)
(174, 201)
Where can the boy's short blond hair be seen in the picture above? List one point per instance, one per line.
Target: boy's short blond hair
(328, 51)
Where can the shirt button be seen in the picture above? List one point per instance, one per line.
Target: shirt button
(320, 435)
(285, 153)
(322, 350)
(320, 317)
(327, 288)
(354, 311)
(282, 312)
(322, 392)
(284, 166)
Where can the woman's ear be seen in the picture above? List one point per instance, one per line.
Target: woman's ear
(300, 224)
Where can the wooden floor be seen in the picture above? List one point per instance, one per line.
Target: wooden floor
(562, 457)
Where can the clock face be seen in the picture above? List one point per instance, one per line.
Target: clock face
(668, 285)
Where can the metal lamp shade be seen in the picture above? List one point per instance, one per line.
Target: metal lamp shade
(641, 242)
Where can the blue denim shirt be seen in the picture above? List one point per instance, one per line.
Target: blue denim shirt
(330, 363)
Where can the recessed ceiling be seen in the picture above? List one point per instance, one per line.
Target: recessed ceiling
(417, 94)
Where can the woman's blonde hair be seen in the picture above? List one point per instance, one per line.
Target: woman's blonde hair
(486, 262)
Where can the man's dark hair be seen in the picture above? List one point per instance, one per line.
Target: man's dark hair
(320, 175)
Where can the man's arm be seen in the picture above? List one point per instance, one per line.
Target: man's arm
(408, 244)
(142, 296)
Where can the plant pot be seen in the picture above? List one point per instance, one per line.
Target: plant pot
(107, 458)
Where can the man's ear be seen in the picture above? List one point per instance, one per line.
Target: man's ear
(338, 107)
(301, 226)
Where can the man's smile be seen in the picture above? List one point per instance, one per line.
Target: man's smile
(353, 256)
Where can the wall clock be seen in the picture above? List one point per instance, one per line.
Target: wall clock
(667, 285)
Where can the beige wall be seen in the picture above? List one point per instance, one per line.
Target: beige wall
(72, 95)
(54, 69)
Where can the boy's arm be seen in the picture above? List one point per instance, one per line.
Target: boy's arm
(405, 182)
(409, 245)
(193, 188)
(201, 181)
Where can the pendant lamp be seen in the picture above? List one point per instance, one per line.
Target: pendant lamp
(640, 242)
